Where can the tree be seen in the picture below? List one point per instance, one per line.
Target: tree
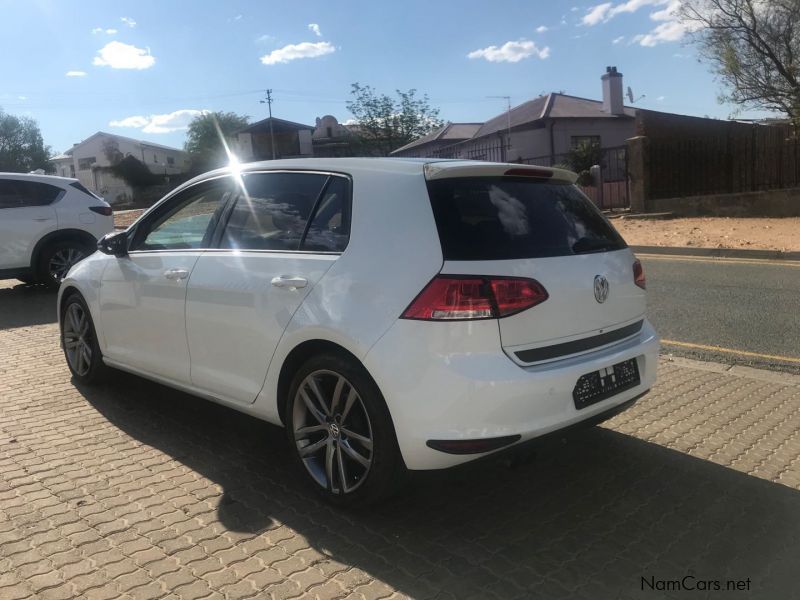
(385, 124)
(22, 148)
(203, 142)
(754, 47)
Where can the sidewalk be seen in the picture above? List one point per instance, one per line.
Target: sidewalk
(782, 235)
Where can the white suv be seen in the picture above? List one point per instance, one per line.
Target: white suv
(392, 314)
(47, 224)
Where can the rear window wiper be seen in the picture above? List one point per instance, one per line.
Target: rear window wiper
(592, 244)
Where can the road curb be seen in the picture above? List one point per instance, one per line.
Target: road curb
(718, 252)
(779, 377)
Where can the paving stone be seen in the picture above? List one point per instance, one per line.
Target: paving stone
(132, 490)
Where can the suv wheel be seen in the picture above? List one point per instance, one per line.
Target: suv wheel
(57, 259)
(341, 433)
(79, 340)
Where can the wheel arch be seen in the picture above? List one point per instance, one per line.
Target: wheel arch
(299, 355)
(60, 235)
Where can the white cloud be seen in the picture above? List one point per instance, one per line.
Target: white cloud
(101, 30)
(166, 123)
(315, 28)
(128, 21)
(670, 29)
(297, 51)
(123, 56)
(618, 40)
(541, 29)
(263, 39)
(661, 98)
(601, 13)
(22, 97)
(237, 18)
(75, 74)
(597, 14)
(510, 52)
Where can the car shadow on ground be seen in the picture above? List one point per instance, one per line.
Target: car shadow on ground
(23, 305)
(594, 516)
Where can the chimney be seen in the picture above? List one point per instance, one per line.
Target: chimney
(612, 92)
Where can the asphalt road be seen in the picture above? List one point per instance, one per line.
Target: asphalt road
(748, 308)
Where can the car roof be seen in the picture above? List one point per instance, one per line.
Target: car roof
(51, 179)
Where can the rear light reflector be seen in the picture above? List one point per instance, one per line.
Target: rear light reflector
(101, 210)
(469, 297)
(638, 274)
(472, 446)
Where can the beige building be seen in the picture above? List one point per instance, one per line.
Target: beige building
(90, 160)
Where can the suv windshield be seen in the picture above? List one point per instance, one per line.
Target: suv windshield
(501, 218)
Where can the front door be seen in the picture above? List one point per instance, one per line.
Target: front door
(281, 238)
(143, 294)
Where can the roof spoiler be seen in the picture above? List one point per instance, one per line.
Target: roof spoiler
(450, 169)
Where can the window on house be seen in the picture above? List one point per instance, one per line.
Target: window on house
(170, 161)
(581, 141)
(330, 131)
(155, 158)
(84, 164)
(72, 170)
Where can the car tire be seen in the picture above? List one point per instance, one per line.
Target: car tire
(344, 441)
(79, 342)
(56, 259)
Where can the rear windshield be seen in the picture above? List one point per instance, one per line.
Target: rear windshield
(501, 218)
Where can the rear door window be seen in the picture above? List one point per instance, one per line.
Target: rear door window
(274, 214)
(504, 218)
(15, 193)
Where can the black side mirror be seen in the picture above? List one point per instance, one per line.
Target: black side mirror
(114, 243)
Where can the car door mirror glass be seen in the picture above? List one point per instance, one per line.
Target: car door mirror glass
(114, 243)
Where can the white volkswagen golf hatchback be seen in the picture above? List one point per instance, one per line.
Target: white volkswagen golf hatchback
(392, 314)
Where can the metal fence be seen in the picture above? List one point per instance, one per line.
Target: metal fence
(762, 158)
(611, 191)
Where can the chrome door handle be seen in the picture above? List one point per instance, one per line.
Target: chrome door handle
(41, 219)
(289, 281)
(175, 274)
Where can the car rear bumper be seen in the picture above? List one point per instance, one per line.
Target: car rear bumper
(475, 394)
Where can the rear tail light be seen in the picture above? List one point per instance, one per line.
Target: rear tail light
(638, 274)
(468, 297)
(101, 210)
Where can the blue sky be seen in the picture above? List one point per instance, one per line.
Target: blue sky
(142, 68)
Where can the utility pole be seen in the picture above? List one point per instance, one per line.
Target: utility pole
(268, 102)
(508, 121)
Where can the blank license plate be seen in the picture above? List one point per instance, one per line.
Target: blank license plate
(600, 385)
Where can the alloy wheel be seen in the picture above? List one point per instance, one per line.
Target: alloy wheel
(78, 338)
(62, 261)
(332, 431)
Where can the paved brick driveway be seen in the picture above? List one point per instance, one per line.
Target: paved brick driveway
(138, 491)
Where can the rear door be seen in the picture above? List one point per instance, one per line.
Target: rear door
(548, 231)
(285, 231)
(26, 216)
